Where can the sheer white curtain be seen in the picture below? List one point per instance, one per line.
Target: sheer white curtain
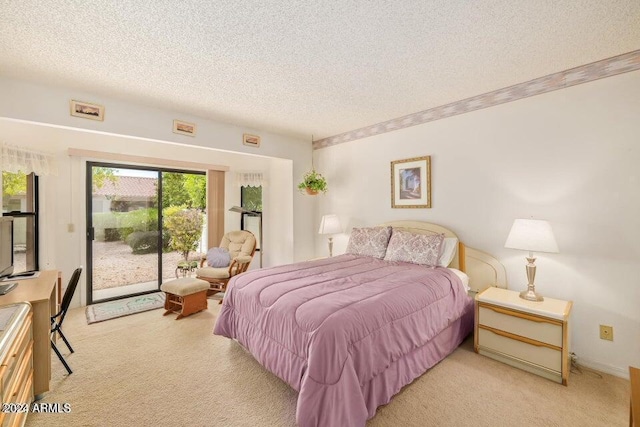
(250, 179)
(19, 159)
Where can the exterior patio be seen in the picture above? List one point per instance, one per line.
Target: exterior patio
(115, 266)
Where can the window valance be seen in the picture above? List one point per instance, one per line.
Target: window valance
(19, 159)
(250, 179)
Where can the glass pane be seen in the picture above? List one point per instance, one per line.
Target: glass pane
(17, 192)
(24, 244)
(18, 197)
(252, 198)
(183, 223)
(125, 222)
(252, 223)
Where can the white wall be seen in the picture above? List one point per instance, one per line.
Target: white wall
(571, 157)
(37, 116)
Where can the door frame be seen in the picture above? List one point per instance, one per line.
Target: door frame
(89, 222)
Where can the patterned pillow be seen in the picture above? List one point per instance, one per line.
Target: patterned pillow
(421, 249)
(369, 241)
(218, 257)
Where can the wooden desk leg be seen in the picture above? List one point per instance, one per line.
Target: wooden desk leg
(634, 405)
(42, 345)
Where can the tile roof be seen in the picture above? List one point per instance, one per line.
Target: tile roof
(128, 186)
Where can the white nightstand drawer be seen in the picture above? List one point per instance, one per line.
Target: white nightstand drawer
(540, 355)
(525, 325)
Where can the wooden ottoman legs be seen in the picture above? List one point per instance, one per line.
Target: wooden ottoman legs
(185, 305)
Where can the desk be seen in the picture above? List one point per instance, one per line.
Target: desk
(41, 293)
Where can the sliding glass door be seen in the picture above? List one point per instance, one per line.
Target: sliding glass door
(135, 227)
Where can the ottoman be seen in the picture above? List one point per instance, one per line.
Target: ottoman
(185, 296)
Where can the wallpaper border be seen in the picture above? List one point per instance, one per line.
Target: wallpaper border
(583, 74)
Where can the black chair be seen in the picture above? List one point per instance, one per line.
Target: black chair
(56, 321)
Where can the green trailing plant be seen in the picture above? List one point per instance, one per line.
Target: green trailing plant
(313, 183)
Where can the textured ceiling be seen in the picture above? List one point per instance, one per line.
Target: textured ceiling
(319, 67)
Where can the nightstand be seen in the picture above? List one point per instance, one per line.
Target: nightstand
(529, 335)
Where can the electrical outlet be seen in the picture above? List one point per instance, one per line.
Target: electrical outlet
(606, 332)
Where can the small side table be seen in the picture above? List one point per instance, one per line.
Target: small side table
(530, 335)
(186, 268)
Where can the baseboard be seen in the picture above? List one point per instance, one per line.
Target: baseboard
(603, 367)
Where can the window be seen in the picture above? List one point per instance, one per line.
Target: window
(251, 199)
(20, 200)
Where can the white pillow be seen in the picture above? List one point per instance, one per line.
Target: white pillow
(449, 249)
(463, 278)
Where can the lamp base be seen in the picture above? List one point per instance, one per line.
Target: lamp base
(531, 295)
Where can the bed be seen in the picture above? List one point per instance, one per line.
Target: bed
(348, 332)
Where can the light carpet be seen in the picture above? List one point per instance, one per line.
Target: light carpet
(124, 307)
(153, 370)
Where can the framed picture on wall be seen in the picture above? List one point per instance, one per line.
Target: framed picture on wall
(86, 110)
(251, 140)
(411, 183)
(184, 128)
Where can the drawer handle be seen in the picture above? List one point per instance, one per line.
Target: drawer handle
(519, 338)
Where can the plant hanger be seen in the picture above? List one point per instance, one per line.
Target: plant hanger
(313, 182)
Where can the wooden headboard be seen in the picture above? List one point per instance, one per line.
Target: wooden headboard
(483, 269)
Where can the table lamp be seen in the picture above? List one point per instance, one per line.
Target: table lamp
(330, 224)
(531, 235)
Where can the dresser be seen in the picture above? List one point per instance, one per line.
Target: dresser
(530, 335)
(41, 293)
(16, 363)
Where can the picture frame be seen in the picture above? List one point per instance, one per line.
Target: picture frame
(86, 110)
(411, 183)
(184, 128)
(251, 140)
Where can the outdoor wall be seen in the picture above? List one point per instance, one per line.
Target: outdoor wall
(570, 157)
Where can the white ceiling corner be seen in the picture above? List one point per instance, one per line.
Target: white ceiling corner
(304, 68)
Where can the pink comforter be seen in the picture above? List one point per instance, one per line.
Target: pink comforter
(331, 328)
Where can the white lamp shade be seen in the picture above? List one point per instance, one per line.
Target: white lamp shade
(532, 235)
(330, 224)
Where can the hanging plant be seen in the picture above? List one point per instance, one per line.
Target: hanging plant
(313, 183)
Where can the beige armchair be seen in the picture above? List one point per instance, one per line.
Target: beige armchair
(241, 245)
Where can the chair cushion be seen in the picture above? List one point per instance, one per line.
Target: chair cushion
(184, 286)
(218, 257)
(238, 242)
(213, 273)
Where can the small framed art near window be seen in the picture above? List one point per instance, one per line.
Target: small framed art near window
(251, 140)
(184, 128)
(86, 110)
(411, 183)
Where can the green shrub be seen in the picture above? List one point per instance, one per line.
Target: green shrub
(138, 220)
(111, 234)
(143, 242)
(103, 221)
(185, 229)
